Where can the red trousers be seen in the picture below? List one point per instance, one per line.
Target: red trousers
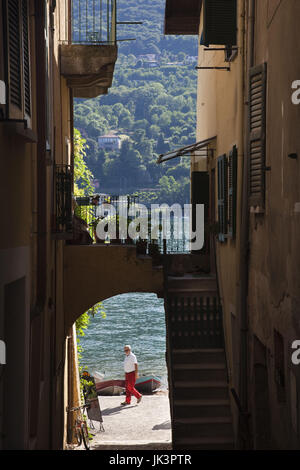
(129, 386)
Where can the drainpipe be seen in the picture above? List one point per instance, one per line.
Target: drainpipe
(41, 279)
(36, 323)
(244, 260)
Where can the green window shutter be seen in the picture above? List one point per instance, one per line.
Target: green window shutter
(26, 58)
(257, 134)
(232, 191)
(220, 22)
(18, 58)
(14, 52)
(222, 197)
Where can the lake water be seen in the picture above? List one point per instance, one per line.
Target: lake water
(135, 319)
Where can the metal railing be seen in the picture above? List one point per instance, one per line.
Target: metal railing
(173, 242)
(63, 199)
(94, 22)
(87, 208)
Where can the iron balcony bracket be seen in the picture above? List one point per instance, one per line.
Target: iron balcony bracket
(213, 68)
(221, 49)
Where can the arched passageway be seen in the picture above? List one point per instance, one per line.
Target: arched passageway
(93, 273)
(137, 319)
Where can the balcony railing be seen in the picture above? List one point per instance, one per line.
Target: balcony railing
(87, 209)
(93, 22)
(63, 201)
(174, 242)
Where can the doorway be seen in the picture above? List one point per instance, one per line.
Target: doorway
(137, 319)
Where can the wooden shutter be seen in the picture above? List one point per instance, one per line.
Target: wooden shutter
(232, 190)
(26, 58)
(220, 22)
(222, 197)
(18, 59)
(200, 195)
(257, 135)
(14, 53)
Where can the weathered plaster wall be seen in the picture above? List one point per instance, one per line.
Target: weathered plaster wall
(274, 283)
(220, 109)
(96, 272)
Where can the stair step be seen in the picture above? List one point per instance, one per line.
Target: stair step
(204, 291)
(189, 403)
(201, 408)
(204, 443)
(198, 355)
(192, 282)
(203, 427)
(191, 276)
(206, 420)
(207, 440)
(200, 390)
(192, 288)
(198, 350)
(199, 373)
(204, 366)
(200, 384)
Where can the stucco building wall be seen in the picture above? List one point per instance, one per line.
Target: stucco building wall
(273, 260)
(274, 289)
(39, 374)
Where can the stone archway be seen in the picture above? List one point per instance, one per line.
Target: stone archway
(93, 273)
(128, 321)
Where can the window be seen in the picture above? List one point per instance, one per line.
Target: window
(232, 191)
(18, 59)
(257, 131)
(219, 22)
(222, 197)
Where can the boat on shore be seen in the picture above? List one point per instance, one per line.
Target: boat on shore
(145, 384)
(110, 387)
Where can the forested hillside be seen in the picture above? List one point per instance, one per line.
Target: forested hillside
(152, 101)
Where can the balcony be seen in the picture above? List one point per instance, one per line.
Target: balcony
(103, 267)
(89, 53)
(182, 16)
(102, 263)
(62, 226)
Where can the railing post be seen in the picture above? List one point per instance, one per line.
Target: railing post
(107, 20)
(86, 25)
(70, 19)
(114, 22)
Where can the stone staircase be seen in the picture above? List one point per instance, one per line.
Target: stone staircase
(199, 394)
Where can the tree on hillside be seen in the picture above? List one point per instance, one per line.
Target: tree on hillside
(82, 174)
(162, 146)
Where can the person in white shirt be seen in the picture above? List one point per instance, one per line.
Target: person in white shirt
(131, 374)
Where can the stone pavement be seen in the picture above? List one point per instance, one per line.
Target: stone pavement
(143, 426)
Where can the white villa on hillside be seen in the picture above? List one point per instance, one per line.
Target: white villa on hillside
(109, 142)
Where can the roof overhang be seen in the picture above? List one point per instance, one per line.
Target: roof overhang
(185, 151)
(182, 17)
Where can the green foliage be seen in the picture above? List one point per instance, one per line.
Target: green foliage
(83, 321)
(154, 106)
(82, 175)
(82, 324)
